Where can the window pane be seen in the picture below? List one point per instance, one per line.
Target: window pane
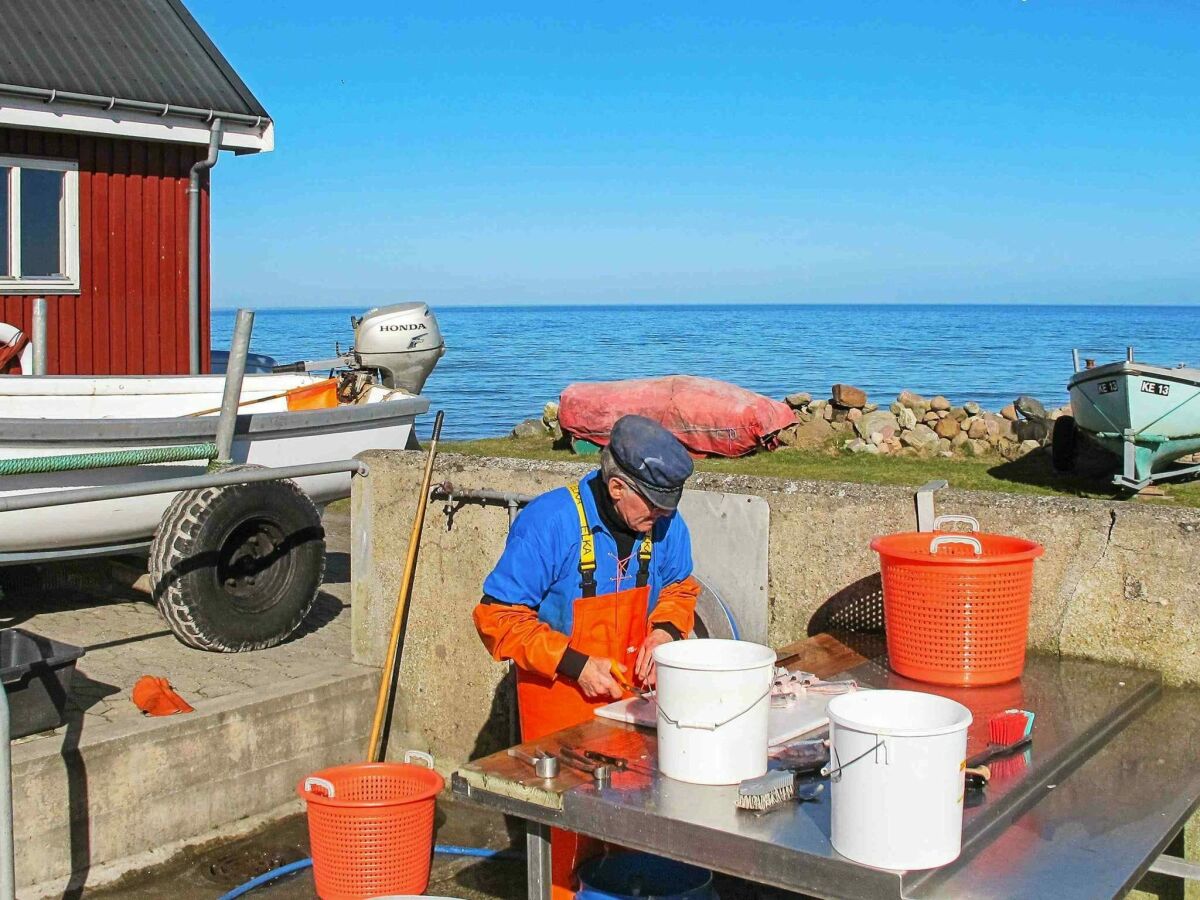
(4, 176)
(41, 193)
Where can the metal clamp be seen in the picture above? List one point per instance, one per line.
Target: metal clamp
(711, 726)
(955, 539)
(965, 520)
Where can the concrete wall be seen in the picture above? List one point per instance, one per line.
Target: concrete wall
(1116, 582)
(91, 804)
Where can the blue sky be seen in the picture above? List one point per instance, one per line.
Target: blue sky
(999, 152)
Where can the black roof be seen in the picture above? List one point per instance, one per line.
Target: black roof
(151, 50)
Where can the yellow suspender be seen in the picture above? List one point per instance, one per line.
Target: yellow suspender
(587, 550)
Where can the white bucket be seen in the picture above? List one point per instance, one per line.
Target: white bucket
(896, 761)
(713, 699)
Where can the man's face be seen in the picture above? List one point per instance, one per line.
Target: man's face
(635, 511)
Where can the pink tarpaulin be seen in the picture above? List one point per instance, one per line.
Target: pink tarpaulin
(710, 418)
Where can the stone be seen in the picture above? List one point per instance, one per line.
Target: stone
(942, 413)
(848, 396)
(976, 448)
(1003, 427)
(939, 404)
(853, 415)
(1026, 447)
(972, 408)
(872, 448)
(958, 413)
(891, 445)
(556, 432)
(930, 418)
(858, 445)
(896, 407)
(978, 429)
(943, 446)
(812, 435)
(550, 414)
(803, 416)
(921, 438)
(906, 418)
(798, 401)
(870, 407)
(947, 428)
(1030, 407)
(911, 400)
(883, 422)
(875, 437)
(827, 413)
(1009, 412)
(1034, 430)
(530, 428)
(957, 442)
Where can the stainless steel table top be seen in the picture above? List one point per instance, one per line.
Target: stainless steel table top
(1089, 788)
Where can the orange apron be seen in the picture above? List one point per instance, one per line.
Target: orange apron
(610, 626)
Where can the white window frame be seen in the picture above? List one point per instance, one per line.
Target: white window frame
(68, 219)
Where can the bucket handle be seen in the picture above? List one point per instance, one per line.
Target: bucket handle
(424, 758)
(964, 520)
(834, 772)
(956, 539)
(313, 781)
(711, 726)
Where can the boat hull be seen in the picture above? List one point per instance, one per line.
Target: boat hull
(1148, 414)
(268, 438)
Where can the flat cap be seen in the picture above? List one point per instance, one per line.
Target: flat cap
(652, 458)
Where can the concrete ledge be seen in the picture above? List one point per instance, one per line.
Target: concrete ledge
(88, 803)
(1116, 583)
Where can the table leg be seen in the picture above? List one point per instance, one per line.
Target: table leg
(537, 860)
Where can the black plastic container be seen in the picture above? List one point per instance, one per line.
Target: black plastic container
(37, 673)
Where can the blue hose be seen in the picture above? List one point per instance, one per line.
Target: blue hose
(444, 849)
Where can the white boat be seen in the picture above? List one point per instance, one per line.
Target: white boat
(55, 416)
(232, 566)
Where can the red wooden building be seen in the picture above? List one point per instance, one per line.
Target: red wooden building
(109, 110)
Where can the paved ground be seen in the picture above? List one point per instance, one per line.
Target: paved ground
(125, 638)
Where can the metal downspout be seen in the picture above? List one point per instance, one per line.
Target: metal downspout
(193, 190)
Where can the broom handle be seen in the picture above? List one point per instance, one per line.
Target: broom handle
(400, 620)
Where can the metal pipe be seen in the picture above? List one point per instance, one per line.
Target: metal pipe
(1128, 354)
(8, 878)
(171, 485)
(235, 370)
(51, 95)
(1075, 359)
(39, 335)
(447, 491)
(193, 191)
(7, 867)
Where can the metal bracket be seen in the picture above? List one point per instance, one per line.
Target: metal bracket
(924, 503)
(456, 500)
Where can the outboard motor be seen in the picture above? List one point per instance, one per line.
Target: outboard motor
(403, 342)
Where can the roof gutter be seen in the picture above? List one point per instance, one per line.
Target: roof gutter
(51, 95)
(193, 191)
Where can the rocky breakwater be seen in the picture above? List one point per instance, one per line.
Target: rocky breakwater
(913, 425)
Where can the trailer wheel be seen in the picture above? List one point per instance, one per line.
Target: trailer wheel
(1064, 444)
(238, 568)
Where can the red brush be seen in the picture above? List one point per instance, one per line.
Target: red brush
(1010, 726)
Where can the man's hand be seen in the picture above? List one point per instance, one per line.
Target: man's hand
(644, 667)
(596, 679)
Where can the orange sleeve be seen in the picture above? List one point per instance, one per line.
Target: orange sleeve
(515, 632)
(677, 605)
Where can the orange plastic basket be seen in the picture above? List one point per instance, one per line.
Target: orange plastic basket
(956, 606)
(370, 826)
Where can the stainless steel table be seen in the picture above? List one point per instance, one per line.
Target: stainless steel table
(1111, 780)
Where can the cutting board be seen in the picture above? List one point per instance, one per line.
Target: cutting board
(783, 723)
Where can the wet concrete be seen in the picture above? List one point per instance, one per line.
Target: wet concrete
(207, 872)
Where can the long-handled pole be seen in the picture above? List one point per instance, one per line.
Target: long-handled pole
(387, 677)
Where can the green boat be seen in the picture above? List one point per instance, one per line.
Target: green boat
(1148, 415)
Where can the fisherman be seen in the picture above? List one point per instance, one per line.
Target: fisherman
(593, 577)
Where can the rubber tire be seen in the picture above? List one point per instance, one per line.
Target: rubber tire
(185, 555)
(1064, 444)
